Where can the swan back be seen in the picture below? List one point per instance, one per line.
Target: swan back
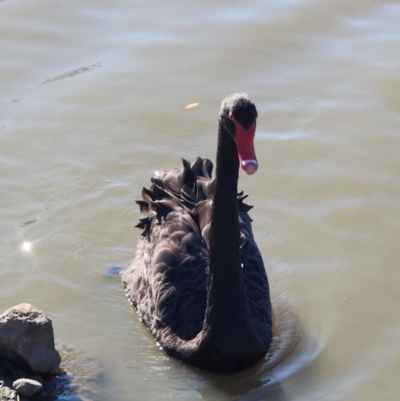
(167, 281)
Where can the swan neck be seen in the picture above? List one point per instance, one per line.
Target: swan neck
(224, 230)
(227, 308)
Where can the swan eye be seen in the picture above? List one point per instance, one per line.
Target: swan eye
(231, 117)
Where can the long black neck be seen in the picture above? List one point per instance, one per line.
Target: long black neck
(226, 303)
(224, 230)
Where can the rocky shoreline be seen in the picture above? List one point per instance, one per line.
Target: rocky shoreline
(33, 367)
(27, 351)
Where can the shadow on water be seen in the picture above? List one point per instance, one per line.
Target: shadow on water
(248, 385)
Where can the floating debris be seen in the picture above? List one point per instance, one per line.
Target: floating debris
(73, 73)
(27, 223)
(192, 106)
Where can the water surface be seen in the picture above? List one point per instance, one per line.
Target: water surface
(92, 102)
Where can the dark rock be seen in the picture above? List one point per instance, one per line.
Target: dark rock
(37, 378)
(27, 338)
(27, 387)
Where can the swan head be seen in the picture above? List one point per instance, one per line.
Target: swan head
(238, 116)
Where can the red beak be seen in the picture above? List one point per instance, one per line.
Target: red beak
(245, 147)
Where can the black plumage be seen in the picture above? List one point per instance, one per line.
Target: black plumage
(198, 280)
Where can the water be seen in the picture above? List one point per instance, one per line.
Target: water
(92, 102)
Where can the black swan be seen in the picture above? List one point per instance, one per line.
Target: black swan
(198, 280)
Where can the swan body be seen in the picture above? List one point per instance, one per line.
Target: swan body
(198, 280)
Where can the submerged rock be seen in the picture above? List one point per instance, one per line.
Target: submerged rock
(27, 339)
(81, 375)
(27, 387)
